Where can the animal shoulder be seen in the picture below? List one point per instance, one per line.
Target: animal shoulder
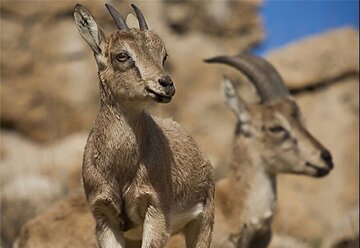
(179, 139)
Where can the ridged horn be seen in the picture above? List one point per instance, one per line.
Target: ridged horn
(120, 23)
(267, 81)
(273, 75)
(140, 17)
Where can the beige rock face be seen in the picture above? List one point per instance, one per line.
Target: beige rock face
(346, 232)
(284, 241)
(68, 223)
(34, 176)
(319, 58)
(23, 198)
(50, 89)
(61, 161)
(217, 19)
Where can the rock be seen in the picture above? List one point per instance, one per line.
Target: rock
(50, 90)
(68, 223)
(22, 198)
(285, 241)
(61, 161)
(318, 58)
(33, 176)
(234, 30)
(346, 232)
(12, 31)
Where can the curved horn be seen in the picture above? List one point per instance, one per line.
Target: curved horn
(273, 75)
(120, 23)
(140, 17)
(261, 73)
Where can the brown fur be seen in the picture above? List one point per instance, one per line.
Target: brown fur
(140, 171)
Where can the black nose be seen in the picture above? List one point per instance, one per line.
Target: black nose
(165, 81)
(326, 156)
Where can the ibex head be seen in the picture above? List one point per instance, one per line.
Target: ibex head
(273, 128)
(130, 61)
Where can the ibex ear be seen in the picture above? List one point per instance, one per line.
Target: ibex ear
(91, 32)
(234, 101)
(132, 21)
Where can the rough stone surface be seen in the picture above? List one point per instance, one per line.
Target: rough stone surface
(33, 176)
(60, 161)
(318, 58)
(50, 89)
(346, 232)
(285, 241)
(23, 198)
(217, 19)
(68, 223)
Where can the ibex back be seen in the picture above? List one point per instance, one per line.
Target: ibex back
(270, 138)
(144, 177)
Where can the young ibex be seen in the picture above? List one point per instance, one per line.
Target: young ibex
(144, 177)
(269, 139)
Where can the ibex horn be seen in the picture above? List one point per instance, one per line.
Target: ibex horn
(261, 73)
(140, 17)
(120, 23)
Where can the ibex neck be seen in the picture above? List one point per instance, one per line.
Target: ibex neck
(127, 115)
(106, 96)
(130, 111)
(257, 184)
(246, 159)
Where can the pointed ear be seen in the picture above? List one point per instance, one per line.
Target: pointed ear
(234, 101)
(91, 32)
(131, 21)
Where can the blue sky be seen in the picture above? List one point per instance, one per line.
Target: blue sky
(288, 20)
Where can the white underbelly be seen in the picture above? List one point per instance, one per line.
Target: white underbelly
(177, 221)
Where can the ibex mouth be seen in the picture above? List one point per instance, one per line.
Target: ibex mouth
(162, 98)
(320, 172)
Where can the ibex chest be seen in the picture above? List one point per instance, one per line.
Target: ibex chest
(261, 199)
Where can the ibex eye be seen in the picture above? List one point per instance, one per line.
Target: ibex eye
(122, 57)
(277, 129)
(165, 58)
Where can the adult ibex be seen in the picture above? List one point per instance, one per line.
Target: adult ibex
(145, 178)
(270, 138)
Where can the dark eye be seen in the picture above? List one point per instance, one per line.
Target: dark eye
(122, 57)
(277, 129)
(165, 58)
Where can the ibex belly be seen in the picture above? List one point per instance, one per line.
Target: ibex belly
(178, 219)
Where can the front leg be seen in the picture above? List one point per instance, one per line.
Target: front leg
(108, 236)
(155, 229)
(108, 224)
